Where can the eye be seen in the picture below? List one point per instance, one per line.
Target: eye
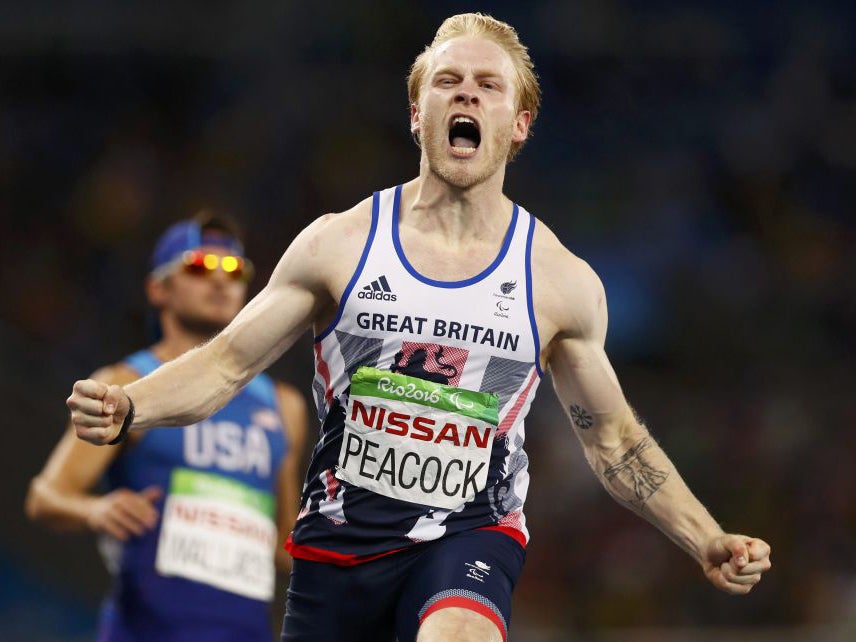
(490, 85)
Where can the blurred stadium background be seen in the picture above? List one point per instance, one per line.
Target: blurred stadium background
(700, 155)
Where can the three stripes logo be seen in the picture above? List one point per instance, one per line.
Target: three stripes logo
(378, 289)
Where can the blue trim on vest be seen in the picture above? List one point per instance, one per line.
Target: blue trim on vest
(396, 241)
(143, 362)
(357, 272)
(529, 299)
(263, 388)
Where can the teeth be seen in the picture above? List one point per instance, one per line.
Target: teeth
(462, 119)
(464, 150)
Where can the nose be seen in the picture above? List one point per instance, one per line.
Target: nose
(217, 284)
(219, 277)
(465, 97)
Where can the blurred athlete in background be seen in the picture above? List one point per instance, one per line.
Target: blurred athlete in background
(193, 521)
(436, 307)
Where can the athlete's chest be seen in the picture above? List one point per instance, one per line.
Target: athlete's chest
(440, 259)
(430, 263)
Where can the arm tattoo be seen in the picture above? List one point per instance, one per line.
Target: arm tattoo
(581, 418)
(636, 474)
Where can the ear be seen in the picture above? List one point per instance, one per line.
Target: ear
(156, 292)
(521, 126)
(414, 122)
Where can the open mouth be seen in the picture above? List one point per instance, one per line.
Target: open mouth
(464, 135)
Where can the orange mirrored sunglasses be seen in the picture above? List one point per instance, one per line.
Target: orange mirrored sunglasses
(199, 263)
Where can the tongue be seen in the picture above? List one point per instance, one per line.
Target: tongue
(460, 141)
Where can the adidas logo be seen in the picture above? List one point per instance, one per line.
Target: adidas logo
(378, 289)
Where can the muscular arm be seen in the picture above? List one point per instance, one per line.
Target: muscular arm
(625, 457)
(203, 380)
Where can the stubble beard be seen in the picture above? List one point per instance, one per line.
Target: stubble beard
(464, 174)
(199, 325)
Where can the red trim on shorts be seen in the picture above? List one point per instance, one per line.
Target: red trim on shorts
(324, 371)
(458, 601)
(513, 533)
(313, 554)
(302, 552)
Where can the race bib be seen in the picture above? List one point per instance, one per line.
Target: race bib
(219, 532)
(416, 440)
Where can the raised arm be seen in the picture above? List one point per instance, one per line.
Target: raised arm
(204, 379)
(625, 457)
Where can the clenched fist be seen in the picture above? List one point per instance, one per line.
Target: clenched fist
(734, 563)
(97, 410)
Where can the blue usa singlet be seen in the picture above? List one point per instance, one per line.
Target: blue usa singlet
(422, 387)
(206, 571)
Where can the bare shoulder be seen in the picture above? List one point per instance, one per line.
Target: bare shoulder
(289, 395)
(568, 294)
(328, 247)
(295, 415)
(116, 374)
(339, 231)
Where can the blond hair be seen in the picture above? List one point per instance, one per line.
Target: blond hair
(503, 34)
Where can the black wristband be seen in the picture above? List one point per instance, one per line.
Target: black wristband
(126, 425)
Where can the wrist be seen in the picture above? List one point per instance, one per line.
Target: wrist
(126, 424)
(694, 532)
(704, 541)
(89, 512)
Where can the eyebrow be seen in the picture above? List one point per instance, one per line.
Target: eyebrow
(479, 73)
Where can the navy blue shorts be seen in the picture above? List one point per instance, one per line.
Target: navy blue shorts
(386, 599)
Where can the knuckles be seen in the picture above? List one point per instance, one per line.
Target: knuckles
(80, 386)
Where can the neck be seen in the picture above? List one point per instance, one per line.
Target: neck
(479, 211)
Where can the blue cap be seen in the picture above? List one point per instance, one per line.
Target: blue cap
(190, 235)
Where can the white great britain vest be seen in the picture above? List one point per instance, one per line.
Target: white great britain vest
(422, 387)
